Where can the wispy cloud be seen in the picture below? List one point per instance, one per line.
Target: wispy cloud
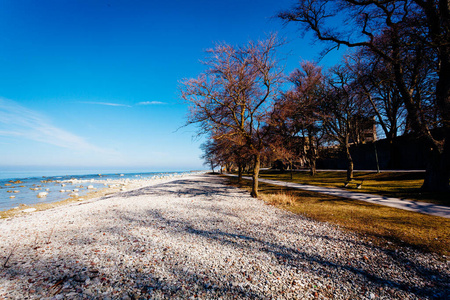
(106, 103)
(16, 120)
(151, 103)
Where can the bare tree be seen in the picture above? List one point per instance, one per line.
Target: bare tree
(375, 82)
(211, 154)
(232, 98)
(299, 121)
(404, 34)
(343, 112)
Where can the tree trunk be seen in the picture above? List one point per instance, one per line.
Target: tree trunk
(446, 162)
(254, 192)
(312, 154)
(239, 171)
(437, 175)
(438, 169)
(312, 165)
(349, 161)
(376, 157)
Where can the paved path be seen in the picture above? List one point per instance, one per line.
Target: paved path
(416, 206)
(197, 238)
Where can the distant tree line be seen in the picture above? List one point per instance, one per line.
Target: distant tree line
(397, 77)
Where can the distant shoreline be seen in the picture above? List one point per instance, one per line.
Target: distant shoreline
(60, 190)
(199, 237)
(19, 173)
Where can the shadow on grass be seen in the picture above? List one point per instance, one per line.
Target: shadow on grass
(374, 221)
(161, 271)
(404, 185)
(310, 263)
(398, 176)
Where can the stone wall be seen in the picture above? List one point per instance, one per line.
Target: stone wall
(405, 153)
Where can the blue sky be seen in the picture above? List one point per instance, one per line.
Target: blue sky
(95, 83)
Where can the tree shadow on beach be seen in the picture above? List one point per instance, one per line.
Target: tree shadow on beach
(436, 283)
(211, 188)
(143, 255)
(292, 257)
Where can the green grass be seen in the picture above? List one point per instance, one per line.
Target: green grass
(404, 185)
(380, 225)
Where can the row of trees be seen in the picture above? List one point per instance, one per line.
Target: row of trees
(395, 76)
(410, 41)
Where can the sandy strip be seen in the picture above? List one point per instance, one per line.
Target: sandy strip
(197, 237)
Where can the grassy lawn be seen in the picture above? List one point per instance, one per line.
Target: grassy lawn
(404, 185)
(380, 225)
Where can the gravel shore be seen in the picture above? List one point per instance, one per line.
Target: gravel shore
(196, 237)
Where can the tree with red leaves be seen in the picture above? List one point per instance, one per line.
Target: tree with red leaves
(233, 97)
(297, 118)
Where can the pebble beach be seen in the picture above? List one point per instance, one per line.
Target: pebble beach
(195, 237)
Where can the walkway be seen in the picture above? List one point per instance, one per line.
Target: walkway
(197, 237)
(416, 206)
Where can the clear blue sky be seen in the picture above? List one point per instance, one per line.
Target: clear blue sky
(95, 82)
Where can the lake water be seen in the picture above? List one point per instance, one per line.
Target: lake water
(23, 187)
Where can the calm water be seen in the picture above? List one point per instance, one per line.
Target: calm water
(25, 186)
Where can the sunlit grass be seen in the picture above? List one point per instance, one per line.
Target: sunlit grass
(280, 198)
(380, 225)
(404, 185)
